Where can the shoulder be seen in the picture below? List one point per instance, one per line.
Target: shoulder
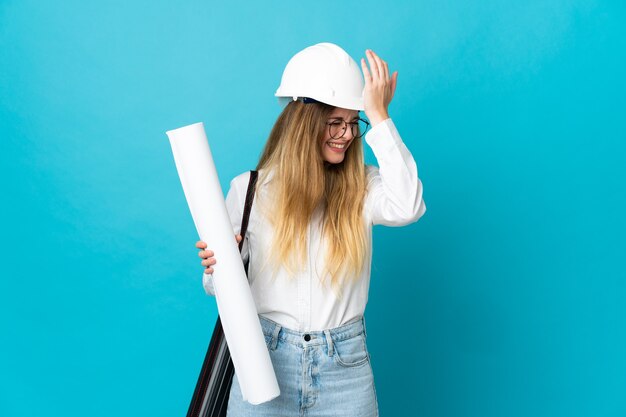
(240, 180)
(371, 172)
(370, 169)
(238, 187)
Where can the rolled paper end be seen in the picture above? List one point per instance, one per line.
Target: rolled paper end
(175, 132)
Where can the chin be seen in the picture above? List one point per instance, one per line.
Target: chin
(334, 160)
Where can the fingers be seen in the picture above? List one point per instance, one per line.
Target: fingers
(205, 254)
(379, 68)
(379, 65)
(366, 73)
(208, 262)
(373, 64)
(394, 82)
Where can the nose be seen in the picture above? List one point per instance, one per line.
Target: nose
(348, 133)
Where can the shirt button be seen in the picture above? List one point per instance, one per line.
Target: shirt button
(307, 337)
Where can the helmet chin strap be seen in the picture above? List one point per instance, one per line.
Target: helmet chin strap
(308, 100)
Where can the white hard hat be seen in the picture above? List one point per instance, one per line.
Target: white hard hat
(323, 72)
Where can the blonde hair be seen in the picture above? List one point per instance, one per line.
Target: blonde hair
(302, 182)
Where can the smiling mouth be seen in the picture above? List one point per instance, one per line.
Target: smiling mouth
(337, 145)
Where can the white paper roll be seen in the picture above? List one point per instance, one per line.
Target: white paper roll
(235, 304)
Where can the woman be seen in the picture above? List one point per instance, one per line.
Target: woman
(309, 234)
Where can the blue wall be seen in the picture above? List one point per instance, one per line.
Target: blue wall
(505, 299)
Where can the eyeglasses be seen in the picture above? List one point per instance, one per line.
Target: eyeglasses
(337, 127)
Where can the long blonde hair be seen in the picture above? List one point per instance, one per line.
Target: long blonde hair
(302, 182)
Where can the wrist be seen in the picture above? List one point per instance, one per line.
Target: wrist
(377, 117)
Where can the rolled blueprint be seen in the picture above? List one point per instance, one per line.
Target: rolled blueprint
(235, 304)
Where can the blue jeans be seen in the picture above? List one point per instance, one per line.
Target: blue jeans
(324, 373)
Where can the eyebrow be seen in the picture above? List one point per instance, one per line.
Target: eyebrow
(341, 118)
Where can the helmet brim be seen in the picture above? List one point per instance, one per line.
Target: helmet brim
(345, 103)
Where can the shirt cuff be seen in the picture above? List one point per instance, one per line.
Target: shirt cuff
(383, 137)
(207, 283)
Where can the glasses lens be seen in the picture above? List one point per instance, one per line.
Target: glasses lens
(336, 128)
(362, 126)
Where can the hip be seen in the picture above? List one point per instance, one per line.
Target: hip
(319, 373)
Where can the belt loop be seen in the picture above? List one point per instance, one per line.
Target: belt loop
(277, 328)
(364, 330)
(329, 342)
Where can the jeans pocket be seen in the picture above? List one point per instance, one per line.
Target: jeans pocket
(268, 340)
(351, 352)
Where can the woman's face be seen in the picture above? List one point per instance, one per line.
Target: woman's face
(334, 149)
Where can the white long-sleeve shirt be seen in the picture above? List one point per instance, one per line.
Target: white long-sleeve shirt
(302, 302)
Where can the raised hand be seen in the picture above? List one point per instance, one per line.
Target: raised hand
(379, 87)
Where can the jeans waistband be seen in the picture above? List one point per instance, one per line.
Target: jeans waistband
(337, 334)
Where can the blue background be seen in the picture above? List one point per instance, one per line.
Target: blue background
(506, 299)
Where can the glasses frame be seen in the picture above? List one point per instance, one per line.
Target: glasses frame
(344, 127)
